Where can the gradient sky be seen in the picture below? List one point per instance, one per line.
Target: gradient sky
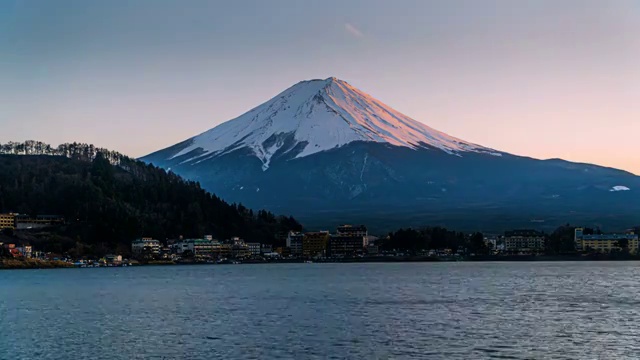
(537, 78)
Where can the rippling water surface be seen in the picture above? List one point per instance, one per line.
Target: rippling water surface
(579, 310)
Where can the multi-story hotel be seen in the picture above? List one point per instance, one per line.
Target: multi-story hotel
(349, 240)
(7, 221)
(604, 243)
(524, 241)
(315, 243)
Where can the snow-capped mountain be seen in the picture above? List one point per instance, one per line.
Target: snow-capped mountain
(327, 153)
(319, 115)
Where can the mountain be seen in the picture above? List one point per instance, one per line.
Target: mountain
(330, 153)
(106, 206)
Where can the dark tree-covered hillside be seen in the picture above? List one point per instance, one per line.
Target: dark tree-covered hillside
(110, 205)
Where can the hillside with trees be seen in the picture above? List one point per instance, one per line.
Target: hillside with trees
(109, 203)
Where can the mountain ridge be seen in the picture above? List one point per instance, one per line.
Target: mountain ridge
(392, 178)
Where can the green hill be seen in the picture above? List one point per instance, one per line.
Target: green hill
(106, 205)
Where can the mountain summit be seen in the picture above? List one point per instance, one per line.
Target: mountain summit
(318, 115)
(329, 153)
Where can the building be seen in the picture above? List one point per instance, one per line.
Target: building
(604, 243)
(294, 243)
(26, 251)
(373, 249)
(39, 221)
(7, 221)
(524, 241)
(344, 245)
(255, 249)
(206, 248)
(266, 249)
(240, 251)
(315, 244)
(113, 259)
(349, 241)
(146, 246)
(351, 230)
(202, 248)
(226, 250)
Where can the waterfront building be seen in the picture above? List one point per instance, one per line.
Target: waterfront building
(283, 251)
(226, 250)
(39, 221)
(349, 241)
(342, 245)
(205, 248)
(373, 249)
(198, 247)
(351, 230)
(239, 249)
(294, 243)
(148, 245)
(266, 249)
(8, 221)
(605, 243)
(254, 248)
(315, 243)
(113, 259)
(524, 241)
(26, 251)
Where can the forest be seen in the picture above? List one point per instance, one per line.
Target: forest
(107, 205)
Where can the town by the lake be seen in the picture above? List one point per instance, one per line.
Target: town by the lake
(347, 243)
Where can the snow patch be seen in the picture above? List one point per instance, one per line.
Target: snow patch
(366, 156)
(619, 188)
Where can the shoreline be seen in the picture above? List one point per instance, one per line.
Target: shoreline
(26, 264)
(13, 264)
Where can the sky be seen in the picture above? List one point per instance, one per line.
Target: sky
(546, 79)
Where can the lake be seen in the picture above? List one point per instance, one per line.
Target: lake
(464, 310)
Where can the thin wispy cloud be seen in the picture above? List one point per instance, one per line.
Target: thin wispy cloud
(354, 31)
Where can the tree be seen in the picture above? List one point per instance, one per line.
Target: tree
(561, 240)
(108, 206)
(476, 244)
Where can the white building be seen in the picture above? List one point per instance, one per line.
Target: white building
(294, 242)
(145, 244)
(198, 247)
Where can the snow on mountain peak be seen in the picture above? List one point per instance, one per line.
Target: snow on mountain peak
(319, 115)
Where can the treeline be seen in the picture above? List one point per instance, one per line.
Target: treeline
(78, 151)
(560, 241)
(107, 206)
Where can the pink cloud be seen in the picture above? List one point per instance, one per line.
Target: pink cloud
(354, 31)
